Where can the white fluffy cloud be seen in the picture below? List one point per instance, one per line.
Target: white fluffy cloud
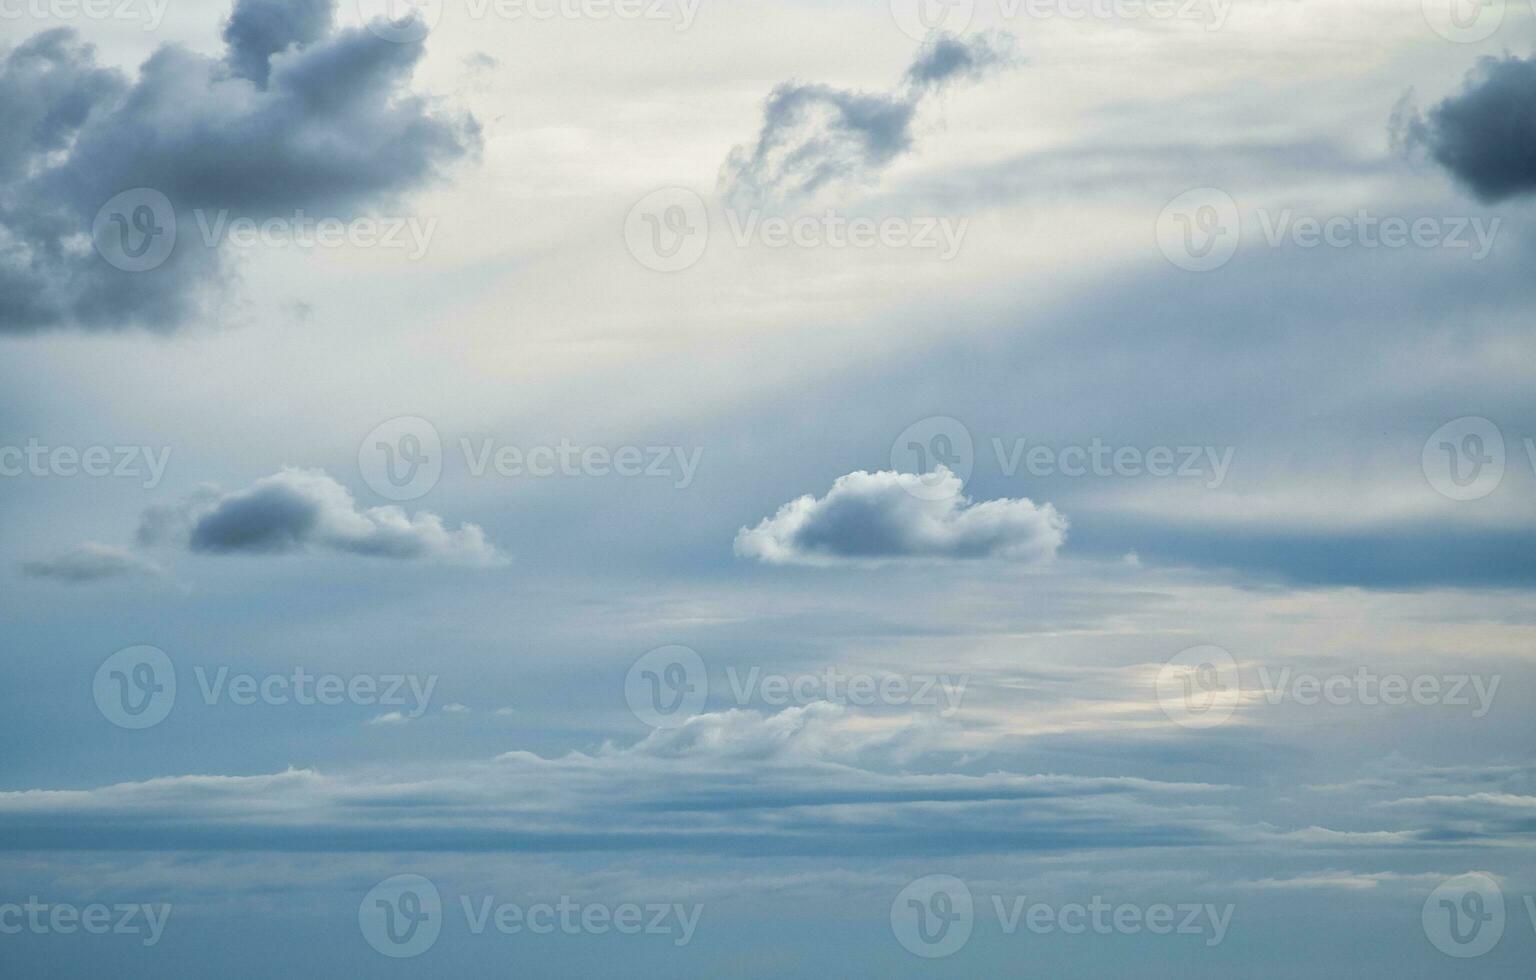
(886, 516)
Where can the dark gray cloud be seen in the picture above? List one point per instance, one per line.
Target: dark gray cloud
(302, 510)
(258, 29)
(295, 116)
(816, 135)
(873, 517)
(1486, 134)
(90, 562)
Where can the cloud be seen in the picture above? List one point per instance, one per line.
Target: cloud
(873, 517)
(806, 780)
(295, 116)
(1485, 135)
(302, 510)
(815, 135)
(89, 562)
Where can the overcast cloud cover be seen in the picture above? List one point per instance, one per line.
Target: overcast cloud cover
(1092, 463)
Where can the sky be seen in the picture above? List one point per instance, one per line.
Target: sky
(886, 488)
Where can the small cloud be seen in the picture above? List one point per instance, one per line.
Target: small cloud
(1485, 134)
(875, 517)
(455, 708)
(91, 561)
(389, 718)
(505, 712)
(301, 510)
(817, 135)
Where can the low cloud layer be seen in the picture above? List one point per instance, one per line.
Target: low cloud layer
(306, 510)
(294, 116)
(817, 135)
(875, 517)
(807, 780)
(89, 562)
(1486, 134)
